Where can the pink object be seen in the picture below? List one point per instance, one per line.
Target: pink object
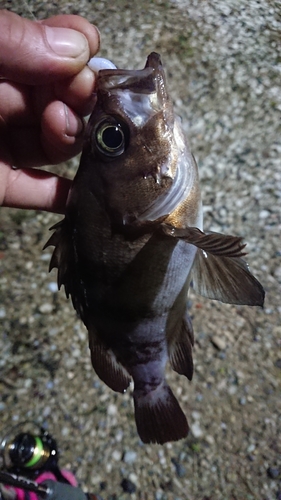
(70, 478)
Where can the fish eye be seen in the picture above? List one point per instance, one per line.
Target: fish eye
(111, 138)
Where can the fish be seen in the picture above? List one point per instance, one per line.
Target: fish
(132, 243)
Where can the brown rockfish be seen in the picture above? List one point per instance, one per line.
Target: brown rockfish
(132, 241)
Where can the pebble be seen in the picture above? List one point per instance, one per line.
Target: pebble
(46, 308)
(196, 430)
(251, 448)
(196, 415)
(264, 214)
(128, 486)
(278, 363)
(119, 435)
(112, 410)
(210, 439)
(2, 312)
(180, 469)
(273, 472)
(116, 455)
(28, 383)
(53, 286)
(46, 256)
(218, 342)
(47, 411)
(130, 457)
(65, 431)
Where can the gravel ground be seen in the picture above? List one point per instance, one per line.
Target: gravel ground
(223, 62)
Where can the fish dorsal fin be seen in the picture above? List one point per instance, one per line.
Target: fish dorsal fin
(219, 272)
(63, 259)
(106, 366)
(181, 350)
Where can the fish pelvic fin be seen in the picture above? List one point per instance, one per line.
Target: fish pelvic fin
(106, 366)
(159, 417)
(180, 352)
(63, 259)
(219, 272)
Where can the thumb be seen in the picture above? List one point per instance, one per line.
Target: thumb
(34, 53)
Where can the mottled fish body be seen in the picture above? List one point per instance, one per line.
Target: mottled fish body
(132, 240)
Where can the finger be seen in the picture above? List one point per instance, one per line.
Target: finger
(16, 104)
(77, 23)
(59, 138)
(78, 92)
(24, 145)
(62, 132)
(34, 53)
(35, 189)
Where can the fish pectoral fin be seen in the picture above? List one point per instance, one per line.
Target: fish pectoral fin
(108, 369)
(218, 271)
(180, 355)
(227, 279)
(63, 259)
(222, 245)
(159, 417)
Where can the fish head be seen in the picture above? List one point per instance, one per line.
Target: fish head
(130, 143)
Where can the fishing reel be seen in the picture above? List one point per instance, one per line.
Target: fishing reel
(28, 448)
(29, 463)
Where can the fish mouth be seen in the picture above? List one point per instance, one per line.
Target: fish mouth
(149, 80)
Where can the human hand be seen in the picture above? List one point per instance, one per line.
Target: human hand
(45, 90)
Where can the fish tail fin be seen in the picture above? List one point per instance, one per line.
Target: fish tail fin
(159, 417)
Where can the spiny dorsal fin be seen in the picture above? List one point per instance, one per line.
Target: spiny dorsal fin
(63, 259)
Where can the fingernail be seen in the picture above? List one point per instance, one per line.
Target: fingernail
(97, 63)
(74, 124)
(66, 42)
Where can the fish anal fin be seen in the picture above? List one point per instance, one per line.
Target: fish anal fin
(180, 354)
(213, 243)
(226, 279)
(159, 417)
(108, 369)
(187, 329)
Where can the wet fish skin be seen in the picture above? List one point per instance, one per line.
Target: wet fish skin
(132, 240)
